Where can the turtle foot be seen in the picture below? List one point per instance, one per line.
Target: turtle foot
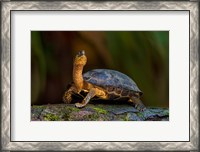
(67, 99)
(79, 105)
(140, 107)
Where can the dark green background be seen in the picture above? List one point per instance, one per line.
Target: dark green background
(143, 56)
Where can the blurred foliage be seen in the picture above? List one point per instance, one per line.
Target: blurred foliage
(142, 55)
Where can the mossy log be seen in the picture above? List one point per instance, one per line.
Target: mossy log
(96, 112)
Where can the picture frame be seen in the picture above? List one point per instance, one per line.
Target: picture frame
(7, 7)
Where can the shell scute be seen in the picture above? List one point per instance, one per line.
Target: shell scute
(111, 80)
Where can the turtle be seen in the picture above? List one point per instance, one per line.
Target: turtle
(105, 84)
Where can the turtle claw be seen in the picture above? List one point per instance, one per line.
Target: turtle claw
(140, 107)
(79, 105)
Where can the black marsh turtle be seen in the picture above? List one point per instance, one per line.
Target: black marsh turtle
(102, 83)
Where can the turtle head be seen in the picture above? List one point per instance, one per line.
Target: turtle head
(80, 58)
(79, 62)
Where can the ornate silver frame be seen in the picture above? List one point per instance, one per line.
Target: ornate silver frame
(191, 6)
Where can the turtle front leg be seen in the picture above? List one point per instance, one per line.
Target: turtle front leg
(93, 92)
(89, 96)
(67, 97)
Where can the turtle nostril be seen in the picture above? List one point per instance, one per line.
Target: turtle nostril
(80, 53)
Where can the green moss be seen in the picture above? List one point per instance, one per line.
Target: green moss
(38, 107)
(140, 115)
(93, 117)
(71, 109)
(101, 111)
(66, 117)
(126, 118)
(166, 112)
(75, 109)
(68, 111)
(51, 117)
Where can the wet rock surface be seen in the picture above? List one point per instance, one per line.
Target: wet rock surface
(96, 112)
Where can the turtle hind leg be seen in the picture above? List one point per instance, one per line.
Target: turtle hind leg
(67, 97)
(93, 92)
(137, 103)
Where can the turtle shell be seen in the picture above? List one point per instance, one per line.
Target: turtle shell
(106, 77)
